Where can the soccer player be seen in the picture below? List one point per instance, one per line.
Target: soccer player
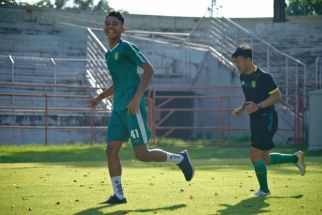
(261, 93)
(129, 115)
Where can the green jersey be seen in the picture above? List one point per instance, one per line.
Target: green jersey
(122, 62)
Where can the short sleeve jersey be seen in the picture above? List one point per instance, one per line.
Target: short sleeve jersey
(257, 87)
(122, 62)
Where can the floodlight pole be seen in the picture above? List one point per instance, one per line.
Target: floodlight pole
(211, 9)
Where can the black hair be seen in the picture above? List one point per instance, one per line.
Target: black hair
(117, 14)
(244, 51)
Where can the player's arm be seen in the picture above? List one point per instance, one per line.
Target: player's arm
(148, 72)
(275, 97)
(105, 94)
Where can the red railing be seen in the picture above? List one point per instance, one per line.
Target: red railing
(45, 108)
(224, 98)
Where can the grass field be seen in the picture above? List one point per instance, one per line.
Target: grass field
(73, 179)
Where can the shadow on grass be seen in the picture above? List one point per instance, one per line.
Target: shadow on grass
(97, 210)
(287, 197)
(248, 206)
(253, 205)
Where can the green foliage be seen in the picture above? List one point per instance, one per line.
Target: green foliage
(102, 5)
(8, 2)
(304, 7)
(84, 4)
(44, 3)
(60, 3)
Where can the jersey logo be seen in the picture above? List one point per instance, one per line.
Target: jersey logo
(253, 84)
(243, 83)
(116, 56)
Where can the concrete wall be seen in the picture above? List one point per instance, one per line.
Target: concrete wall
(21, 136)
(299, 36)
(315, 119)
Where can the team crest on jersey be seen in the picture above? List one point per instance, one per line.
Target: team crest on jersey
(116, 56)
(253, 84)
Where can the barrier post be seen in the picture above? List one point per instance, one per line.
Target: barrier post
(46, 117)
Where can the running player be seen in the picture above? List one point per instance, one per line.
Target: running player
(261, 93)
(129, 115)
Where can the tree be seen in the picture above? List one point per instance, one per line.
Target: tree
(102, 5)
(60, 3)
(44, 3)
(304, 7)
(8, 2)
(84, 4)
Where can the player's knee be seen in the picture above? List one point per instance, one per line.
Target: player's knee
(266, 161)
(111, 150)
(142, 155)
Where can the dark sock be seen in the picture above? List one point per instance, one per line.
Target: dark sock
(278, 158)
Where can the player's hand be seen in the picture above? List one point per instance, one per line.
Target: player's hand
(250, 107)
(94, 102)
(238, 111)
(133, 106)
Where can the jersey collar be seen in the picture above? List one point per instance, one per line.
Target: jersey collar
(110, 50)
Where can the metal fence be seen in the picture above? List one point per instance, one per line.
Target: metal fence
(183, 112)
(50, 94)
(206, 111)
(72, 113)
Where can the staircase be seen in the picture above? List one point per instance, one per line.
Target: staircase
(290, 74)
(224, 35)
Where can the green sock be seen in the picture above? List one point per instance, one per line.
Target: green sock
(277, 158)
(261, 173)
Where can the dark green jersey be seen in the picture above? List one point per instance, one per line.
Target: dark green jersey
(257, 87)
(122, 62)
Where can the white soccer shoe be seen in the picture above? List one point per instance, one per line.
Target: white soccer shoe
(300, 164)
(261, 193)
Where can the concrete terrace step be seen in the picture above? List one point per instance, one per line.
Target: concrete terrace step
(51, 90)
(38, 119)
(27, 28)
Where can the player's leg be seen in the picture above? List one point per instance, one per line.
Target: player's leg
(114, 167)
(259, 148)
(257, 157)
(140, 136)
(278, 158)
(117, 134)
(296, 158)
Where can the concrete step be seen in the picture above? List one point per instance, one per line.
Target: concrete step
(67, 119)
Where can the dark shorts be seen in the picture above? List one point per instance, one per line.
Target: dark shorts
(263, 127)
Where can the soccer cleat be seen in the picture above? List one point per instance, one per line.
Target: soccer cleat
(300, 163)
(114, 200)
(186, 166)
(261, 193)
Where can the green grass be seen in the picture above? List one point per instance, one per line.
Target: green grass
(73, 179)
